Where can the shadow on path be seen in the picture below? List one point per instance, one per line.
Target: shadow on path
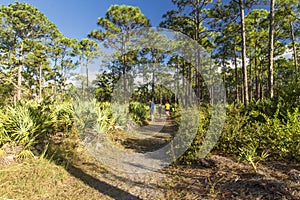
(101, 186)
(152, 137)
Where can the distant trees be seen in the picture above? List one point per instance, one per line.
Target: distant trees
(247, 46)
(120, 21)
(33, 52)
(23, 30)
(188, 18)
(88, 50)
(247, 43)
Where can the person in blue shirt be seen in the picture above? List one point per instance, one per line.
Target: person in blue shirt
(152, 110)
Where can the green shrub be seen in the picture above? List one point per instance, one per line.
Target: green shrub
(20, 125)
(84, 114)
(62, 115)
(283, 136)
(249, 154)
(268, 127)
(4, 137)
(105, 121)
(93, 117)
(278, 131)
(31, 123)
(139, 112)
(293, 129)
(192, 152)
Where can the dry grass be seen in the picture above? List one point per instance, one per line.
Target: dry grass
(38, 178)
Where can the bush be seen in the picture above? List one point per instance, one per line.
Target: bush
(278, 131)
(4, 137)
(139, 112)
(186, 131)
(92, 117)
(30, 123)
(25, 123)
(268, 126)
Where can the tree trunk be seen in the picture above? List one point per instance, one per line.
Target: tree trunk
(190, 84)
(198, 61)
(197, 76)
(257, 83)
(177, 84)
(55, 82)
(124, 63)
(212, 83)
(250, 80)
(236, 76)
(244, 54)
(153, 76)
(184, 91)
(294, 52)
(87, 74)
(160, 94)
(271, 51)
(20, 68)
(40, 82)
(262, 85)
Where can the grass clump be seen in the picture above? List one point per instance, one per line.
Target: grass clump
(38, 178)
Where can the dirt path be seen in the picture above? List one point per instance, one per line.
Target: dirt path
(225, 179)
(143, 149)
(151, 137)
(131, 172)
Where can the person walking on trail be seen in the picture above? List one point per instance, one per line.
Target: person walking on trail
(159, 110)
(152, 110)
(167, 107)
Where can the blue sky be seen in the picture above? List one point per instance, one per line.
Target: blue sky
(76, 18)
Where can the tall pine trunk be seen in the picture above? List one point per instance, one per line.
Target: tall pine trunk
(257, 82)
(236, 76)
(40, 81)
(20, 68)
(271, 51)
(244, 54)
(294, 52)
